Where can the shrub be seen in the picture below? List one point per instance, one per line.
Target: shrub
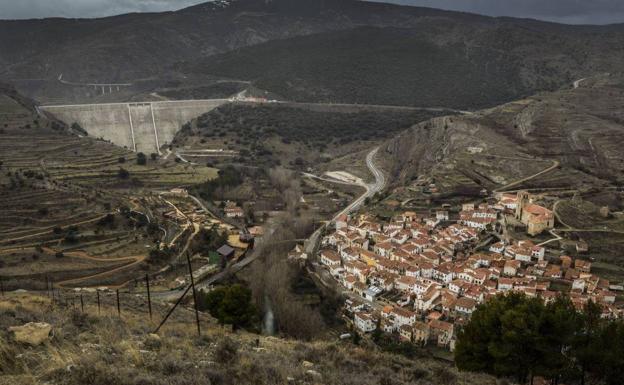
(226, 351)
(123, 173)
(141, 159)
(229, 304)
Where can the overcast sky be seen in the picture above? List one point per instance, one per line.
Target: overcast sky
(564, 11)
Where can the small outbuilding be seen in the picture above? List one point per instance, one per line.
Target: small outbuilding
(226, 251)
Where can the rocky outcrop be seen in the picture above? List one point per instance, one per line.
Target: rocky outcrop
(523, 121)
(32, 333)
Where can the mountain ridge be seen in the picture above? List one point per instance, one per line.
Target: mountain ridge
(147, 43)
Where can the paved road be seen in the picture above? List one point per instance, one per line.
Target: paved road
(332, 180)
(506, 187)
(63, 81)
(371, 189)
(378, 106)
(172, 295)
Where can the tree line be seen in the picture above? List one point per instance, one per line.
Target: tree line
(519, 337)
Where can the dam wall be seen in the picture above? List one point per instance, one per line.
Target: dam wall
(141, 127)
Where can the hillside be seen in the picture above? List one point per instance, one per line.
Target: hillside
(337, 50)
(133, 46)
(67, 200)
(297, 135)
(103, 349)
(439, 62)
(575, 134)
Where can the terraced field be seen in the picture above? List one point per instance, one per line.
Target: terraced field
(86, 162)
(78, 210)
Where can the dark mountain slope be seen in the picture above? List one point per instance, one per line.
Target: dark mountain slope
(458, 59)
(436, 63)
(137, 45)
(373, 66)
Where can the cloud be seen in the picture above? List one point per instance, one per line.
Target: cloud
(562, 11)
(24, 9)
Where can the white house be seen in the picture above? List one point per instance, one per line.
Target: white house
(505, 284)
(403, 317)
(364, 322)
(498, 247)
(538, 252)
(465, 305)
(330, 258)
(372, 293)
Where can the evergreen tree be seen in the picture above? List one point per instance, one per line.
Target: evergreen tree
(516, 336)
(230, 305)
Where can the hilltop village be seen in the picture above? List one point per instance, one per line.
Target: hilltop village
(421, 277)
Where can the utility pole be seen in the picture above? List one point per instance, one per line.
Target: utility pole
(188, 259)
(149, 298)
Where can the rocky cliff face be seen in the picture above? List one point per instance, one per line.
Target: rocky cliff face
(581, 129)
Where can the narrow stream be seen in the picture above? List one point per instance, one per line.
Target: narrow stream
(268, 324)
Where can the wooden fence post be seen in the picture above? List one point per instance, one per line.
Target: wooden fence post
(118, 305)
(149, 298)
(172, 309)
(188, 259)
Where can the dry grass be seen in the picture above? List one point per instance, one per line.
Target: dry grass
(88, 349)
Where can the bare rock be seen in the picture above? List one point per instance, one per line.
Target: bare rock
(314, 374)
(152, 341)
(32, 333)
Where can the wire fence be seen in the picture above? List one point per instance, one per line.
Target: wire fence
(81, 299)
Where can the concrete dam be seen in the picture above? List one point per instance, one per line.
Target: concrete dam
(141, 127)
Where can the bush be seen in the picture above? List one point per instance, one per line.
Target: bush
(141, 159)
(123, 173)
(108, 220)
(226, 351)
(229, 304)
(229, 177)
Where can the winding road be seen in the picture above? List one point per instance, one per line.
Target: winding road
(506, 187)
(311, 242)
(371, 189)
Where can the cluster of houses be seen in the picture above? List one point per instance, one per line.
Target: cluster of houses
(232, 210)
(421, 278)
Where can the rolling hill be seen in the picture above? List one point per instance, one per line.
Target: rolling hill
(317, 50)
(132, 46)
(574, 134)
